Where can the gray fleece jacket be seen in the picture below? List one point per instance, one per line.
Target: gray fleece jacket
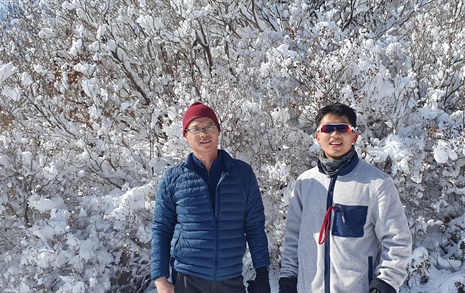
(368, 235)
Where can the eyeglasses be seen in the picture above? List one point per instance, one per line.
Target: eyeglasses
(341, 128)
(207, 129)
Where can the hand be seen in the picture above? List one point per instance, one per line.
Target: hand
(261, 284)
(380, 286)
(163, 286)
(288, 285)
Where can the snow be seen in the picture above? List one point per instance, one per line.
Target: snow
(6, 70)
(442, 152)
(81, 156)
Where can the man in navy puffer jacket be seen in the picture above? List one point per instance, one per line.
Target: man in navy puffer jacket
(207, 209)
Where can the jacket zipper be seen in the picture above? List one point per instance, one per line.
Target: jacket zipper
(217, 215)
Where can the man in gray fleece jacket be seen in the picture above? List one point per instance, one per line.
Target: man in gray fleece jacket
(346, 230)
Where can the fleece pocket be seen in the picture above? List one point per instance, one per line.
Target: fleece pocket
(349, 221)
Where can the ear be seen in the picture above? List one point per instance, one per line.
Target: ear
(354, 137)
(317, 137)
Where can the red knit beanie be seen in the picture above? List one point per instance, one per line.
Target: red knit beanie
(198, 110)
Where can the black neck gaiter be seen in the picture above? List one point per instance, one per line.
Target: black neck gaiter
(332, 167)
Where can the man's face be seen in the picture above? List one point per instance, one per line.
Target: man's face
(205, 142)
(335, 145)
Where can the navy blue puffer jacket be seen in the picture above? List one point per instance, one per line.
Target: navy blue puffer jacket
(209, 242)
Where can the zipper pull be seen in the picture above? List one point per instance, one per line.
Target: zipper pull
(343, 215)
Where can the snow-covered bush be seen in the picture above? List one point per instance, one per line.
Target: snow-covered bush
(91, 101)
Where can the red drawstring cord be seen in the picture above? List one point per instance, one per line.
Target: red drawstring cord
(326, 223)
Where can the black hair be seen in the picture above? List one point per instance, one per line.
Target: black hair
(337, 109)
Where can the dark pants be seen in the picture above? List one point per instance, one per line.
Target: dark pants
(190, 284)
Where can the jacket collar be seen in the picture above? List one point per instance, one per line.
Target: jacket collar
(227, 159)
(345, 168)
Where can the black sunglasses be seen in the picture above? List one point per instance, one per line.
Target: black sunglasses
(341, 128)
